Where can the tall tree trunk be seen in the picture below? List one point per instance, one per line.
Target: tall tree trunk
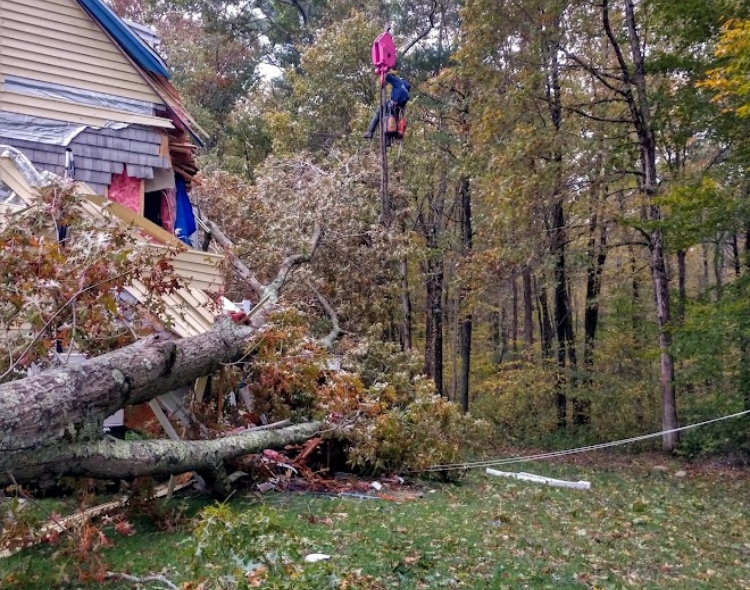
(503, 334)
(495, 336)
(514, 317)
(597, 256)
(437, 324)
(705, 281)
(558, 237)
(681, 288)
(406, 339)
(466, 320)
(528, 311)
(545, 322)
(434, 322)
(455, 342)
(719, 267)
(636, 96)
(744, 368)
(561, 309)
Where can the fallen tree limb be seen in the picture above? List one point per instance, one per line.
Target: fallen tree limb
(111, 458)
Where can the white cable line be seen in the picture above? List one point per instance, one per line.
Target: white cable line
(552, 454)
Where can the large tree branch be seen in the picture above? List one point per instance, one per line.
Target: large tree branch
(292, 262)
(431, 18)
(335, 332)
(239, 267)
(111, 458)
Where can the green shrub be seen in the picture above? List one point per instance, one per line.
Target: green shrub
(249, 548)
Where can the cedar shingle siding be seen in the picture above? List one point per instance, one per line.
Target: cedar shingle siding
(100, 153)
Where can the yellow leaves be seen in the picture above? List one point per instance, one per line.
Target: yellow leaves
(730, 82)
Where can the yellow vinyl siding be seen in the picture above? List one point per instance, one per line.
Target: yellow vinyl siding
(187, 319)
(44, 50)
(56, 41)
(53, 35)
(87, 71)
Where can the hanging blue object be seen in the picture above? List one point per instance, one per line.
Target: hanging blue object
(184, 223)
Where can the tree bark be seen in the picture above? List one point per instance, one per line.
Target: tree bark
(635, 93)
(545, 323)
(110, 458)
(514, 317)
(495, 336)
(681, 287)
(719, 267)
(466, 320)
(528, 311)
(406, 340)
(51, 423)
(71, 402)
(597, 257)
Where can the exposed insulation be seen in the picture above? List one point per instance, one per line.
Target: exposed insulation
(126, 190)
(168, 209)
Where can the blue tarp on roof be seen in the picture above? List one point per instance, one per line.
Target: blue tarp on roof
(131, 43)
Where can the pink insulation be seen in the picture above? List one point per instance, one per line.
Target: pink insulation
(126, 190)
(168, 209)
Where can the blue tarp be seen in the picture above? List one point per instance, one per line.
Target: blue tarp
(131, 43)
(184, 223)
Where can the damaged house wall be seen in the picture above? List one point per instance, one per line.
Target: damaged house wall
(75, 77)
(99, 154)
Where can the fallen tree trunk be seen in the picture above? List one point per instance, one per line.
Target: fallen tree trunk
(110, 458)
(51, 423)
(69, 404)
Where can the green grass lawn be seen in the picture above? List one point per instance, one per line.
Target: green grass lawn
(636, 528)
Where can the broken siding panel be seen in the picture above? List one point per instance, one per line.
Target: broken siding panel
(202, 272)
(10, 175)
(185, 319)
(199, 302)
(180, 301)
(105, 68)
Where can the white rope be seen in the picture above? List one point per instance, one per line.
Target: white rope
(553, 454)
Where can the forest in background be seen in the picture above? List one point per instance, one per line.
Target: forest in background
(569, 248)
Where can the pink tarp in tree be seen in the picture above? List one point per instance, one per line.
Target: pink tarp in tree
(383, 55)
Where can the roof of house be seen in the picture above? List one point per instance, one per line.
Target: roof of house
(137, 49)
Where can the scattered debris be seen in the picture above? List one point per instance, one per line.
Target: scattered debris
(315, 557)
(143, 580)
(58, 525)
(681, 473)
(359, 496)
(558, 483)
(376, 485)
